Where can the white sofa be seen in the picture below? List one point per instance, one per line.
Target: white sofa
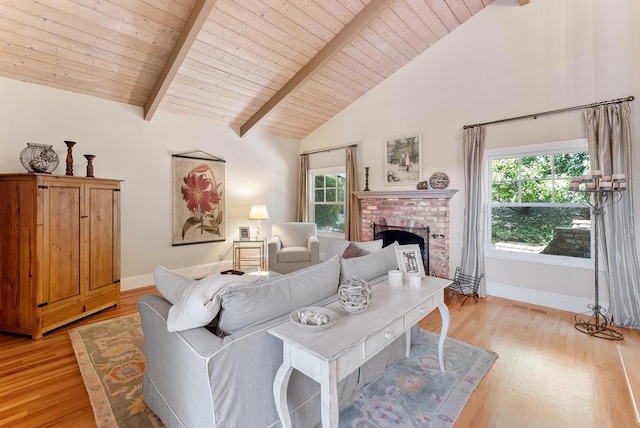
(293, 246)
(197, 378)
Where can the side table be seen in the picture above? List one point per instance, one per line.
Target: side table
(249, 253)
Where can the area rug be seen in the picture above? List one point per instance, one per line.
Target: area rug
(411, 393)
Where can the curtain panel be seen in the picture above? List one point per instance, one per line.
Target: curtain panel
(302, 209)
(609, 137)
(351, 211)
(472, 261)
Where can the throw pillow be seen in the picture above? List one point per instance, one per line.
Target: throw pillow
(337, 247)
(353, 251)
(370, 266)
(170, 284)
(248, 306)
(200, 302)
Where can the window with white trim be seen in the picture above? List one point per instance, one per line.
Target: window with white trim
(326, 199)
(531, 211)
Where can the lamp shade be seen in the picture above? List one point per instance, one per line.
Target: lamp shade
(258, 212)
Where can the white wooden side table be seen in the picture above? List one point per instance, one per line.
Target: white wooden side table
(330, 355)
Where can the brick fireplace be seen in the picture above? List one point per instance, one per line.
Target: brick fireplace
(411, 208)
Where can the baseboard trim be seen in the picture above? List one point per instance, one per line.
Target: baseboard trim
(541, 298)
(140, 281)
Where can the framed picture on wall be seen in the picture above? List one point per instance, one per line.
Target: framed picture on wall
(244, 233)
(402, 159)
(198, 198)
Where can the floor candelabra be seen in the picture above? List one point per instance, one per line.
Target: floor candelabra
(600, 192)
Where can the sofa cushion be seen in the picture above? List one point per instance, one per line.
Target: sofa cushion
(170, 284)
(200, 301)
(370, 266)
(353, 251)
(337, 247)
(248, 306)
(294, 254)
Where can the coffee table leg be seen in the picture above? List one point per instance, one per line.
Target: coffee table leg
(444, 314)
(280, 384)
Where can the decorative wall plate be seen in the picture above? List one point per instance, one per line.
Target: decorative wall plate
(439, 180)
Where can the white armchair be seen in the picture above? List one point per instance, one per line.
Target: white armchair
(293, 246)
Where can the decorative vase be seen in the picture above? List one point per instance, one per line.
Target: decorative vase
(69, 160)
(90, 164)
(39, 158)
(354, 295)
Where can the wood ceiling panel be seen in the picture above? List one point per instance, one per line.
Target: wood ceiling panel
(47, 25)
(283, 66)
(459, 9)
(70, 50)
(412, 20)
(404, 29)
(429, 17)
(34, 72)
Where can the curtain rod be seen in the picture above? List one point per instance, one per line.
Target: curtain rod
(535, 115)
(329, 149)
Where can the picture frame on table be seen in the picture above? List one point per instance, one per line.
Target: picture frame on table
(245, 233)
(410, 259)
(403, 159)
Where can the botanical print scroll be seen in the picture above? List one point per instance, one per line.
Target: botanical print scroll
(198, 200)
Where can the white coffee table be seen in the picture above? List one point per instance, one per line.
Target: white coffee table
(330, 355)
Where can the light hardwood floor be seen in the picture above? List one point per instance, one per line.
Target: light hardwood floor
(547, 373)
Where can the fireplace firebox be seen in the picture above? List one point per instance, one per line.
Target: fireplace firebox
(405, 235)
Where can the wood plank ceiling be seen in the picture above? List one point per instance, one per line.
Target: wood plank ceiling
(280, 66)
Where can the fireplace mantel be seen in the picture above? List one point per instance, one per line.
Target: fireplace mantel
(407, 194)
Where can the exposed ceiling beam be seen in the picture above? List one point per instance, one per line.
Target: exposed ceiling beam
(524, 2)
(199, 15)
(352, 29)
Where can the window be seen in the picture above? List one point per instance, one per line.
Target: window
(327, 199)
(531, 211)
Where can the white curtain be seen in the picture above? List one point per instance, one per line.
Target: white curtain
(472, 262)
(302, 211)
(609, 137)
(351, 211)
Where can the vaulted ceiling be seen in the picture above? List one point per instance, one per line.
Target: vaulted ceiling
(281, 66)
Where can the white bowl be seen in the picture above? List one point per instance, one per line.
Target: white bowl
(333, 317)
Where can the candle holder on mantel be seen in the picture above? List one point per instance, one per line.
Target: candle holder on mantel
(366, 179)
(69, 160)
(600, 192)
(90, 164)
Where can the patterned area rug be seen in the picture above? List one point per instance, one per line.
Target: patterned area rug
(411, 393)
(111, 361)
(415, 393)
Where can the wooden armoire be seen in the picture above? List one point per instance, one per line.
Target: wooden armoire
(59, 250)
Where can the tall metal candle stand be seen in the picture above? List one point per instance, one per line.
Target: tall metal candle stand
(600, 192)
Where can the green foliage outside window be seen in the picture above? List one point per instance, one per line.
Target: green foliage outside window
(530, 197)
(328, 206)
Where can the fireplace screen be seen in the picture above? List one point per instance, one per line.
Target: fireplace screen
(405, 235)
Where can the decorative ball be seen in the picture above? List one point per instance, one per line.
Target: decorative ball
(423, 185)
(39, 158)
(439, 180)
(354, 295)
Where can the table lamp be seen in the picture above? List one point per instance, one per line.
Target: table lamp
(258, 212)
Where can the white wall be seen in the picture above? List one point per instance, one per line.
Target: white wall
(506, 61)
(260, 169)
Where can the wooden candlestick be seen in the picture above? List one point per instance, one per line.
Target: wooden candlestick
(69, 160)
(90, 164)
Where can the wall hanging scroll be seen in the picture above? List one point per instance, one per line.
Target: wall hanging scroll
(198, 198)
